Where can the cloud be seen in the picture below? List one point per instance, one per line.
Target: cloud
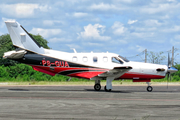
(175, 28)
(80, 14)
(52, 22)
(93, 32)
(55, 40)
(93, 44)
(156, 7)
(175, 42)
(139, 48)
(22, 10)
(132, 21)
(46, 32)
(152, 23)
(103, 7)
(118, 28)
(76, 46)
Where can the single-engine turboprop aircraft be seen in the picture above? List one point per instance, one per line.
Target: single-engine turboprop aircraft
(93, 66)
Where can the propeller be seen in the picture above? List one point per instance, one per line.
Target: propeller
(170, 70)
(168, 73)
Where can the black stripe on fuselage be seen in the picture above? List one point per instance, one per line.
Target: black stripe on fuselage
(36, 59)
(76, 71)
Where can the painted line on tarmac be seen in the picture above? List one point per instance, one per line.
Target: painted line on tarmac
(115, 99)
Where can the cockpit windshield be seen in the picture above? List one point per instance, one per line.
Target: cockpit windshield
(126, 60)
(116, 60)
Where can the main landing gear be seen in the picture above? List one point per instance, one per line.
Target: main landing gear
(107, 90)
(108, 86)
(149, 88)
(97, 87)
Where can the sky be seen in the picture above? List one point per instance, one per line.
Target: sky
(124, 27)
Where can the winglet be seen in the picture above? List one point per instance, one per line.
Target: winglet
(21, 38)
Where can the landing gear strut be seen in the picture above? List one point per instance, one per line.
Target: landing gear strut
(149, 88)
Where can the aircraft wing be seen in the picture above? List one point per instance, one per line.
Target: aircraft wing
(116, 72)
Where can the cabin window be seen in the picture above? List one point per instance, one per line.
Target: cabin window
(95, 59)
(74, 59)
(116, 60)
(105, 59)
(85, 59)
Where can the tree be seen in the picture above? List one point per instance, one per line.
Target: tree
(43, 42)
(6, 45)
(156, 57)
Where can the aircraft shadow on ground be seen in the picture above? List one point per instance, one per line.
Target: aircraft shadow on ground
(113, 91)
(91, 90)
(101, 91)
(18, 89)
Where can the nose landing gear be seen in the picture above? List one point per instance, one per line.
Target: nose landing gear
(149, 88)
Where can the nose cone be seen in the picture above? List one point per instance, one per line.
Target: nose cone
(172, 70)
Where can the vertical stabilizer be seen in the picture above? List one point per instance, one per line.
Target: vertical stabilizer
(21, 38)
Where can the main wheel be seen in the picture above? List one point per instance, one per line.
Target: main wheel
(107, 90)
(97, 87)
(149, 88)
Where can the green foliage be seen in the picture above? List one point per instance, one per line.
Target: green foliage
(3, 72)
(176, 75)
(43, 42)
(22, 72)
(6, 45)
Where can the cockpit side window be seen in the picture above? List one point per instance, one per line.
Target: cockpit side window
(116, 60)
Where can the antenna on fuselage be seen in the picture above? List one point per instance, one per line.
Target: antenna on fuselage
(74, 50)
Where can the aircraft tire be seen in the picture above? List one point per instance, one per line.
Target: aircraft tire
(107, 90)
(149, 88)
(97, 87)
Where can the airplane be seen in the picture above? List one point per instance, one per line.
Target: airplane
(92, 66)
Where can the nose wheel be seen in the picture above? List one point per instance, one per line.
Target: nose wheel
(149, 88)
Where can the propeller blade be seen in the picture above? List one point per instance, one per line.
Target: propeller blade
(167, 79)
(167, 83)
(170, 77)
(169, 61)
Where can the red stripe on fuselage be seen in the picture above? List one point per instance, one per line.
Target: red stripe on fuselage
(90, 74)
(86, 75)
(131, 75)
(56, 70)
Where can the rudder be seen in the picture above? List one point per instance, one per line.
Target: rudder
(21, 38)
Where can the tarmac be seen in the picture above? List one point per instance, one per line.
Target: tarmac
(83, 103)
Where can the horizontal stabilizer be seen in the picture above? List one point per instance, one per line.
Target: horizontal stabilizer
(21, 38)
(14, 54)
